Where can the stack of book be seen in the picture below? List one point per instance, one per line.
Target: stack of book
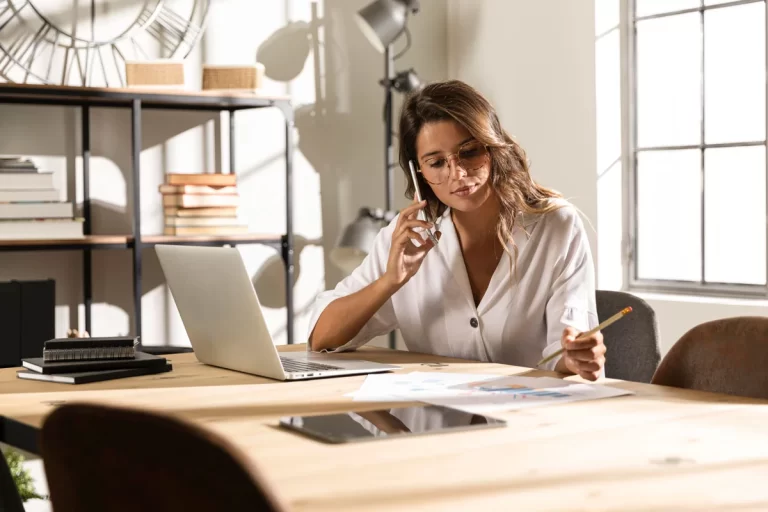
(201, 204)
(82, 360)
(30, 205)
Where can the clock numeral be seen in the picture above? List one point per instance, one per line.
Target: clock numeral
(83, 71)
(12, 52)
(119, 67)
(5, 7)
(8, 12)
(51, 56)
(38, 38)
(23, 50)
(103, 67)
(171, 30)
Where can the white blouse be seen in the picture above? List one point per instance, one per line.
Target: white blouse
(515, 323)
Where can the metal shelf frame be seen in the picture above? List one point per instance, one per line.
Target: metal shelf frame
(86, 98)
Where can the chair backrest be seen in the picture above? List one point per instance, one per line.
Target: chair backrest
(10, 501)
(723, 356)
(633, 342)
(106, 458)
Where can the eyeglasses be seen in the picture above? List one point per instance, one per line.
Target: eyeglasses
(471, 156)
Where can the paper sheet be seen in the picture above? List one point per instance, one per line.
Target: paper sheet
(509, 393)
(393, 387)
(478, 393)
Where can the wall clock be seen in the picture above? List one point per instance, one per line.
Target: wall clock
(87, 42)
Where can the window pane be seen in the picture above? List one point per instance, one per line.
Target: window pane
(608, 86)
(607, 15)
(734, 49)
(669, 215)
(648, 7)
(735, 215)
(669, 81)
(610, 227)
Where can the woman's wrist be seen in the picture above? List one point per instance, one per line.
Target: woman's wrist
(388, 285)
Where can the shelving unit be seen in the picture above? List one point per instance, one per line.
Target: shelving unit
(136, 101)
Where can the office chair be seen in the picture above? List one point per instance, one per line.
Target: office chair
(722, 356)
(107, 458)
(633, 342)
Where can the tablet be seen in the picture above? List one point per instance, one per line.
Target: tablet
(386, 423)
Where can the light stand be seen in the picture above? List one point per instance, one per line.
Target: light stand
(383, 22)
(389, 149)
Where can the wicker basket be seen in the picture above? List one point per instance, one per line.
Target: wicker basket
(159, 73)
(248, 78)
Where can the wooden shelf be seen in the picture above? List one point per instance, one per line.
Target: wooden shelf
(105, 242)
(88, 242)
(150, 98)
(259, 238)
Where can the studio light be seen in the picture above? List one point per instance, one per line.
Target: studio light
(383, 21)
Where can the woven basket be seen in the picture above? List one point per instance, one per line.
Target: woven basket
(154, 73)
(233, 77)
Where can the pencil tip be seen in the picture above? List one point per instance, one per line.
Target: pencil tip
(628, 309)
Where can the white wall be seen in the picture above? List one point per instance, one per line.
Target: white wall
(534, 60)
(338, 164)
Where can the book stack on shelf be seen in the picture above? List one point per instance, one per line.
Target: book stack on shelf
(30, 205)
(201, 204)
(83, 360)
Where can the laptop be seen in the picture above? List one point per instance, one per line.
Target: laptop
(223, 318)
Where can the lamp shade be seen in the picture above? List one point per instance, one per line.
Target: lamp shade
(407, 81)
(382, 21)
(355, 242)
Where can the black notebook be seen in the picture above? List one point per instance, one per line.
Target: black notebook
(94, 376)
(141, 360)
(85, 349)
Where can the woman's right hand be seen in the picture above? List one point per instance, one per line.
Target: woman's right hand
(404, 257)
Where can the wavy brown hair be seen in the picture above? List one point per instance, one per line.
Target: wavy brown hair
(509, 178)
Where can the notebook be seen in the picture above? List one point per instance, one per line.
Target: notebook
(141, 360)
(83, 349)
(93, 376)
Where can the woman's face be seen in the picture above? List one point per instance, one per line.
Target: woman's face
(456, 166)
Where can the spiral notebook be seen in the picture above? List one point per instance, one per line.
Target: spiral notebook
(89, 349)
(140, 360)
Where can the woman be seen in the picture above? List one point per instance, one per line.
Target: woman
(511, 279)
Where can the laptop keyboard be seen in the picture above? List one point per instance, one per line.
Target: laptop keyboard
(294, 365)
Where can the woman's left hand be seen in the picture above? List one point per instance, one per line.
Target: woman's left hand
(585, 357)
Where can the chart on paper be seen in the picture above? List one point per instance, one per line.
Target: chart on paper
(508, 393)
(479, 394)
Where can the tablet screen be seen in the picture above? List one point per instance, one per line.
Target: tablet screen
(360, 426)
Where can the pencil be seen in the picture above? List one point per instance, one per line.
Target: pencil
(589, 333)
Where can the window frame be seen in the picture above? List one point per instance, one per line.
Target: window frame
(630, 151)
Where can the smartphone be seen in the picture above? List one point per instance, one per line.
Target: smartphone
(388, 423)
(421, 214)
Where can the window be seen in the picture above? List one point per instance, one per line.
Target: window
(697, 213)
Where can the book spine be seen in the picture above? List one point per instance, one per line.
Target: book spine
(38, 303)
(10, 323)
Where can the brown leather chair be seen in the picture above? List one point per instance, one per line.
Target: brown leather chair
(723, 356)
(101, 458)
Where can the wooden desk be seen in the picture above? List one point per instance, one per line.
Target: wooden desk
(660, 449)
